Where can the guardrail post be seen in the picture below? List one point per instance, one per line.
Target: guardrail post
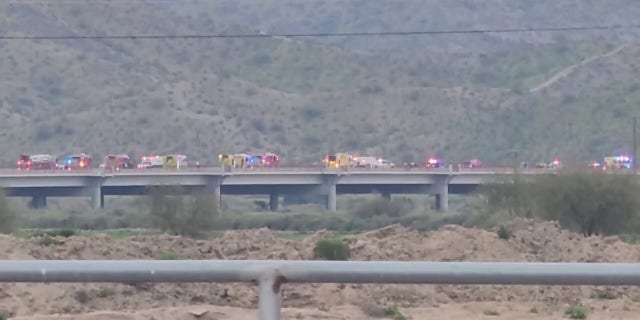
(269, 299)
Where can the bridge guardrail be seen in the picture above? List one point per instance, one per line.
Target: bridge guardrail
(494, 170)
(270, 275)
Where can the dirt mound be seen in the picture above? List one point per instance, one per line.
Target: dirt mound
(531, 241)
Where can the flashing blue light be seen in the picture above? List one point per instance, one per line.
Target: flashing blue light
(68, 161)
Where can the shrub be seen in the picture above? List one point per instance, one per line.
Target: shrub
(8, 215)
(596, 203)
(380, 207)
(331, 249)
(182, 215)
(504, 232)
(168, 256)
(105, 292)
(47, 240)
(394, 313)
(372, 309)
(590, 203)
(82, 297)
(65, 233)
(605, 295)
(576, 312)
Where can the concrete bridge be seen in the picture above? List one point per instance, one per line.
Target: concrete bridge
(329, 183)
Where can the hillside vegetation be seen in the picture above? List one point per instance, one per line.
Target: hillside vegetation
(458, 96)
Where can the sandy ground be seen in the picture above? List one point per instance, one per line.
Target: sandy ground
(532, 241)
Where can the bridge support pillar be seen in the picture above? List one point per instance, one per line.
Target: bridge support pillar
(274, 198)
(214, 186)
(441, 192)
(97, 198)
(332, 198)
(38, 202)
(217, 194)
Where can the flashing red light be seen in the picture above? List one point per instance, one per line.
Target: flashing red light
(81, 164)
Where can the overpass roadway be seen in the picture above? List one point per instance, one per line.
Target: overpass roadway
(40, 184)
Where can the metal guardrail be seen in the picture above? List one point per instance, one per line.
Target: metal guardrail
(271, 274)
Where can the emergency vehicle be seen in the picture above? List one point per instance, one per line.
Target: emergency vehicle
(149, 162)
(473, 163)
(366, 162)
(551, 165)
(339, 160)
(225, 160)
(240, 160)
(433, 162)
(174, 161)
(252, 161)
(270, 160)
(618, 162)
(37, 162)
(371, 162)
(330, 161)
(78, 162)
(117, 162)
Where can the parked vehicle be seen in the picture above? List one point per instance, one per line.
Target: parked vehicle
(37, 162)
(80, 161)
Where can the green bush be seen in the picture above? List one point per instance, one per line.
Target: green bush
(394, 313)
(576, 312)
(8, 215)
(65, 233)
(331, 249)
(587, 202)
(105, 292)
(504, 232)
(382, 207)
(182, 215)
(47, 241)
(168, 256)
(605, 295)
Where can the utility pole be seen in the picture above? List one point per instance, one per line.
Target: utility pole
(635, 145)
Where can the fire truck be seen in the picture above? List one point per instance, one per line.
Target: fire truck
(37, 162)
(270, 160)
(77, 162)
(174, 161)
(117, 162)
(339, 160)
(225, 160)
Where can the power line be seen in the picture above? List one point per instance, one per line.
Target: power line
(344, 34)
